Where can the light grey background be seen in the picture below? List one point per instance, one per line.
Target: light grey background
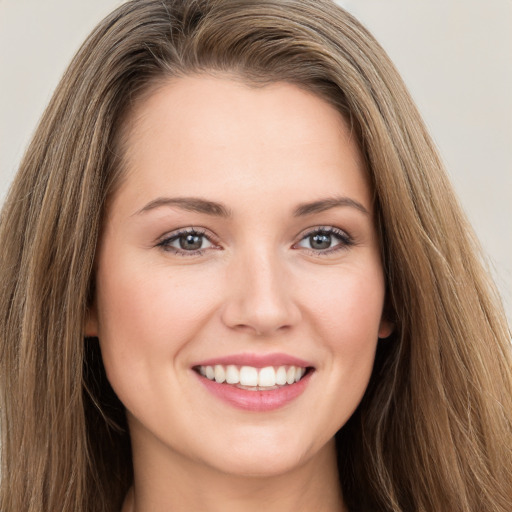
(455, 56)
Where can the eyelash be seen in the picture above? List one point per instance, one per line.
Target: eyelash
(346, 241)
(165, 243)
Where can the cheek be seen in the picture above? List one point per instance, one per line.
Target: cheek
(349, 304)
(346, 314)
(147, 313)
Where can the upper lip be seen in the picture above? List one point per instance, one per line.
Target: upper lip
(256, 360)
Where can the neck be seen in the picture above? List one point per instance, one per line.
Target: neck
(184, 485)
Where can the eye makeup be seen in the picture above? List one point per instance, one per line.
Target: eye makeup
(193, 241)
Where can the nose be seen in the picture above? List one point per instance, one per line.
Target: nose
(260, 296)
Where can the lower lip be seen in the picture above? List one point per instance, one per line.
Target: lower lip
(257, 401)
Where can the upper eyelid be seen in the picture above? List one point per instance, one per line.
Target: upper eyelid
(346, 240)
(174, 234)
(330, 229)
(164, 242)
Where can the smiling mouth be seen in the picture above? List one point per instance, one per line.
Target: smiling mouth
(251, 378)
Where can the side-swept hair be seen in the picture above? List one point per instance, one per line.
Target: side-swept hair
(433, 431)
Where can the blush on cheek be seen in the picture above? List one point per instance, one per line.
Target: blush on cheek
(351, 304)
(150, 311)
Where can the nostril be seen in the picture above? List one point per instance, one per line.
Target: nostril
(258, 307)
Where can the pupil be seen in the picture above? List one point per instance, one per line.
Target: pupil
(191, 242)
(320, 241)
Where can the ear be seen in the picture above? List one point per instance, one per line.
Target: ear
(385, 328)
(91, 322)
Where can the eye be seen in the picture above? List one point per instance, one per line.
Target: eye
(325, 240)
(186, 242)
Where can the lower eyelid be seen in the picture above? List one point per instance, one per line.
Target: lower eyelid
(171, 237)
(344, 241)
(338, 233)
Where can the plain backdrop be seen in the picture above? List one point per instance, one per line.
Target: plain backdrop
(455, 56)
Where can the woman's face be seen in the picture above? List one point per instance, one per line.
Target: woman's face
(240, 245)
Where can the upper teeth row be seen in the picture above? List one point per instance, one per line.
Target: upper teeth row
(250, 376)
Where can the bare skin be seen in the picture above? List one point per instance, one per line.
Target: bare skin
(244, 227)
(304, 490)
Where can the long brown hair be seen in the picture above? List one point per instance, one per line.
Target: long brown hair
(434, 430)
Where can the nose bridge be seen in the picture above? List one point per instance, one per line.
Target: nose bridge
(260, 297)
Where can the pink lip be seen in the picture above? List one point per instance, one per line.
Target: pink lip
(257, 360)
(256, 401)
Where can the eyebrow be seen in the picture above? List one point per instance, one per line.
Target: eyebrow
(326, 204)
(199, 205)
(191, 204)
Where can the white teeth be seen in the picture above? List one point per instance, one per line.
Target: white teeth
(232, 374)
(249, 376)
(267, 377)
(220, 374)
(281, 376)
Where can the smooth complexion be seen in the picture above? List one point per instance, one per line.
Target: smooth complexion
(243, 231)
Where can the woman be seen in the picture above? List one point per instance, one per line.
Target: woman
(235, 275)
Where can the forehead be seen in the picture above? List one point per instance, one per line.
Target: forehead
(206, 130)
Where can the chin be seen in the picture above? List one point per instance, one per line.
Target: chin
(261, 465)
(264, 457)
